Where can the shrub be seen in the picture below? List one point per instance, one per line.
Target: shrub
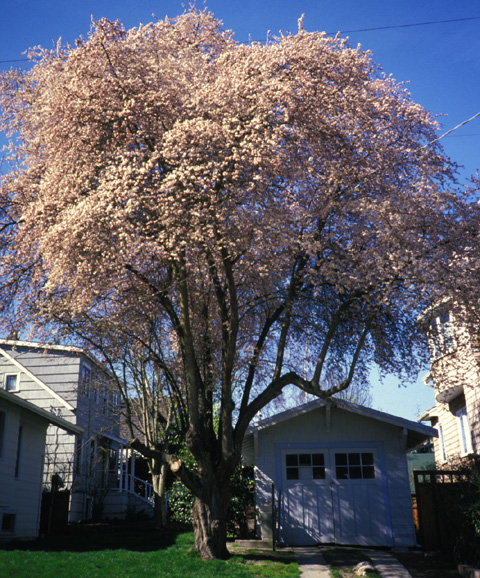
(463, 512)
(180, 503)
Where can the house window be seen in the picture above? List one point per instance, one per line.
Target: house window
(309, 466)
(464, 434)
(441, 439)
(85, 380)
(115, 402)
(104, 400)
(3, 416)
(91, 457)
(8, 523)
(354, 466)
(78, 454)
(443, 337)
(19, 451)
(112, 459)
(11, 382)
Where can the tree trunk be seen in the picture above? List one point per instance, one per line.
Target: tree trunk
(210, 521)
(159, 475)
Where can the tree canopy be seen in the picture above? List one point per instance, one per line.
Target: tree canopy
(244, 200)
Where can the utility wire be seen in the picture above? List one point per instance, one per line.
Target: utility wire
(464, 135)
(346, 31)
(407, 25)
(452, 129)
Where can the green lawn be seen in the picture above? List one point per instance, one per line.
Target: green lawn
(137, 554)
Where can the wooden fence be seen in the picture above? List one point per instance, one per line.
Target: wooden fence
(438, 515)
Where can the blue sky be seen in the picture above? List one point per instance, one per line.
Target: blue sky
(440, 62)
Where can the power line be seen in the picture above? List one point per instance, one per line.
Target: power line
(452, 129)
(407, 25)
(464, 135)
(345, 31)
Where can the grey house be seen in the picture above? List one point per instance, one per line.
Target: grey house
(71, 384)
(339, 472)
(23, 428)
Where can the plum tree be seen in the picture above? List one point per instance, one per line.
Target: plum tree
(242, 199)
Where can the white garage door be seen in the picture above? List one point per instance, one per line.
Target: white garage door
(333, 496)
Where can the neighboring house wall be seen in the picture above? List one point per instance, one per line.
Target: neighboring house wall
(418, 462)
(68, 383)
(22, 448)
(455, 376)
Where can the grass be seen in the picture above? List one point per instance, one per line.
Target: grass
(136, 554)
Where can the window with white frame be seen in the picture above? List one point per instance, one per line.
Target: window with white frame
(354, 466)
(441, 441)
(91, 457)
(3, 419)
(78, 454)
(305, 466)
(115, 402)
(464, 433)
(442, 339)
(85, 380)
(19, 451)
(103, 401)
(11, 382)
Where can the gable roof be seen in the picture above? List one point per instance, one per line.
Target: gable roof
(416, 432)
(50, 417)
(54, 347)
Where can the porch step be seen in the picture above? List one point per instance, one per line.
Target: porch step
(118, 504)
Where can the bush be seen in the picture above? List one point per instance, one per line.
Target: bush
(180, 503)
(468, 542)
(463, 512)
(241, 503)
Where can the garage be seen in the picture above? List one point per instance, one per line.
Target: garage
(338, 473)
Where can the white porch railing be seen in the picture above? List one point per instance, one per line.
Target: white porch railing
(140, 488)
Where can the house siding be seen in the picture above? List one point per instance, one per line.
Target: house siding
(21, 495)
(58, 370)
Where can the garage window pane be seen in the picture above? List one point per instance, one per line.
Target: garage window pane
(318, 472)
(355, 473)
(318, 460)
(354, 459)
(292, 473)
(305, 459)
(368, 472)
(342, 472)
(367, 459)
(291, 460)
(341, 459)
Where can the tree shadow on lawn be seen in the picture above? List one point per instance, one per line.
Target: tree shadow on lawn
(139, 537)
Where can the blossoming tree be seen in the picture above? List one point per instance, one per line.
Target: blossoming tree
(242, 199)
